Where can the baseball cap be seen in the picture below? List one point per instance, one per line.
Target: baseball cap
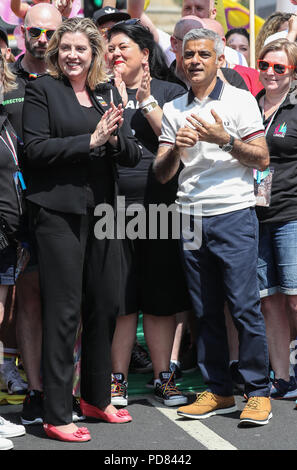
(109, 14)
(3, 35)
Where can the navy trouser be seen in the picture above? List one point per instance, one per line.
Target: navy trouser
(223, 269)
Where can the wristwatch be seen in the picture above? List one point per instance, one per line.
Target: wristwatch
(149, 107)
(229, 146)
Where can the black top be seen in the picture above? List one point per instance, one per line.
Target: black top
(9, 206)
(282, 143)
(133, 183)
(57, 146)
(14, 100)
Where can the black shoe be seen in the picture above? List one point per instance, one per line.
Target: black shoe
(32, 408)
(77, 413)
(140, 360)
(167, 392)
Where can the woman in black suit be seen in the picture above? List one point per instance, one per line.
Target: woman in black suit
(74, 135)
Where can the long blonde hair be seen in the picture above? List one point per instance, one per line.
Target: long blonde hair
(8, 80)
(98, 72)
(272, 25)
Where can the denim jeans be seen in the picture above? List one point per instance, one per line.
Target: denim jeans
(277, 262)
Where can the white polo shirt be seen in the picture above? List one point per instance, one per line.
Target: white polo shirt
(211, 178)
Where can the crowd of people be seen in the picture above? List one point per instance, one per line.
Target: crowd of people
(103, 118)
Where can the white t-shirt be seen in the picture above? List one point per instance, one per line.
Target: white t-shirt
(212, 178)
(232, 56)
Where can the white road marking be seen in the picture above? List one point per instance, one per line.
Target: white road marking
(194, 428)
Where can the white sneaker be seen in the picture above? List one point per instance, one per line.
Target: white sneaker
(8, 429)
(5, 444)
(12, 378)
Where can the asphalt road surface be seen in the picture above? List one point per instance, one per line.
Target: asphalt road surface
(156, 429)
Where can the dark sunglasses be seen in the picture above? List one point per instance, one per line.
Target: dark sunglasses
(35, 33)
(280, 69)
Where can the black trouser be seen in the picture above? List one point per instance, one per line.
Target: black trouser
(78, 273)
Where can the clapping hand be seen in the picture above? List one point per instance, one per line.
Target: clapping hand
(213, 133)
(110, 121)
(120, 85)
(144, 90)
(186, 137)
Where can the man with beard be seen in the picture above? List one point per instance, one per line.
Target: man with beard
(40, 24)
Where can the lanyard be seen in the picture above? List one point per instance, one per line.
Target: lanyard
(270, 121)
(272, 117)
(260, 174)
(10, 147)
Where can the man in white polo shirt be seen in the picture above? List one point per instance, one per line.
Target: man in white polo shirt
(216, 130)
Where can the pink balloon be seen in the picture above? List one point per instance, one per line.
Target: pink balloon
(6, 13)
(294, 2)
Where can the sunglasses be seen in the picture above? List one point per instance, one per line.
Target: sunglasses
(280, 69)
(35, 33)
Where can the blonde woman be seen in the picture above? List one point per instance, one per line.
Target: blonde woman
(70, 118)
(277, 266)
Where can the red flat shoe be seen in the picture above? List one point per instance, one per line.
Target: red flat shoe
(81, 435)
(121, 416)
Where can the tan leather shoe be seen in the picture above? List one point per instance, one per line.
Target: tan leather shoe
(208, 404)
(257, 411)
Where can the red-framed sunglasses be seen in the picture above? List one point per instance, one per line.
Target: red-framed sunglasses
(280, 69)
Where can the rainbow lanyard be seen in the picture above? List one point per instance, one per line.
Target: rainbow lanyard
(12, 150)
(10, 146)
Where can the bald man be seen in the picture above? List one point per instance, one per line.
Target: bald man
(42, 16)
(40, 23)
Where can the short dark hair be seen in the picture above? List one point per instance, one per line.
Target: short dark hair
(241, 31)
(145, 40)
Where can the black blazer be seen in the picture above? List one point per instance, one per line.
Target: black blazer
(57, 145)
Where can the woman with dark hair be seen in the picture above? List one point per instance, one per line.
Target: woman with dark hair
(239, 39)
(74, 136)
(153, 276)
